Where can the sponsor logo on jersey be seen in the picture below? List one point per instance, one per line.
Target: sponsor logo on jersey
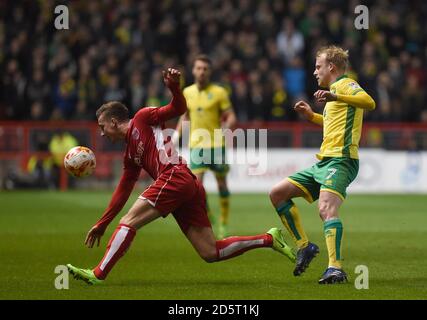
(135, 133)
(354, 85)
(139, 152)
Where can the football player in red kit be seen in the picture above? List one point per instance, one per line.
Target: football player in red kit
(174, 190)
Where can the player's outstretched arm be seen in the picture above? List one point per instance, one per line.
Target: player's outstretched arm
(178, 105)
(118, 200)
(305, 110)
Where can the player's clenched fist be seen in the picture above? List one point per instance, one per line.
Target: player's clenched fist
(304, 109)
(171, 78)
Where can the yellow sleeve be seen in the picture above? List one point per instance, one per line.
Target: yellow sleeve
(360, 99)
(224, 102)
(317, 119)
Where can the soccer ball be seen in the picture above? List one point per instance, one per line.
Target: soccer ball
(80, 162)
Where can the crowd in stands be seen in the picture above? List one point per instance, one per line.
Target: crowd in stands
(263, 52)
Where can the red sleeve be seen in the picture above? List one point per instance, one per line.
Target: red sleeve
(120, 196)
(155, 116)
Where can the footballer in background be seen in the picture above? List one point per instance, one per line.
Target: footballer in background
(209, 110)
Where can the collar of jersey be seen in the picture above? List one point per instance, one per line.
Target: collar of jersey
(338, 79)
(205, 88)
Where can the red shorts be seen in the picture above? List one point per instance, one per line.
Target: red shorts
(178, 191)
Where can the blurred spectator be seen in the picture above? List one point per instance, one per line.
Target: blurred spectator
(136, 92)
(37, 112)
(259, 104)
(13, 95)
(153, 95)
(240, 99)
(290, 41)
(38, 89)
(59, 145)
(294, 76)
(87, 90)
(281, 103)
(65, 94)
(237, 74)
(374, 138)
(113, 91)
(413, 100)
(383, 98)
(83, 112)
(36, 175)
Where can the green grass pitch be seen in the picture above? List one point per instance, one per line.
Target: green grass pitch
(40, 230)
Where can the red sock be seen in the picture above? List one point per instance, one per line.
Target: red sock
(116, 248)
(234, 246)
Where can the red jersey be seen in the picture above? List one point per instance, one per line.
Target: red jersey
(146, 149)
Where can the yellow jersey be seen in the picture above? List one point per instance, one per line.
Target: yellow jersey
(342, 119)
(204, 110)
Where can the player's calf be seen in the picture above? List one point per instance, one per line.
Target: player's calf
(211, 250)
(117, 246)
(235, 246)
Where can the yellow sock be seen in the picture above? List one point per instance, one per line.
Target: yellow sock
(333, 234)
(225, 207)
(291, 218)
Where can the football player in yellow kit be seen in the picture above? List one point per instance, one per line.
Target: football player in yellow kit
(209, 110)
(328, 179)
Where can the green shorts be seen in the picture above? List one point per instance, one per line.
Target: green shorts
(203, 159)
(331, 174)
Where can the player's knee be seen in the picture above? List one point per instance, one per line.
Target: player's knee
(322, 215)
(326, 211)
(273, 194)
(277, 195)
(209, 256)
(130, 221)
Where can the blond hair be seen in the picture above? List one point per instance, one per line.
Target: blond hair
(336, 55)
